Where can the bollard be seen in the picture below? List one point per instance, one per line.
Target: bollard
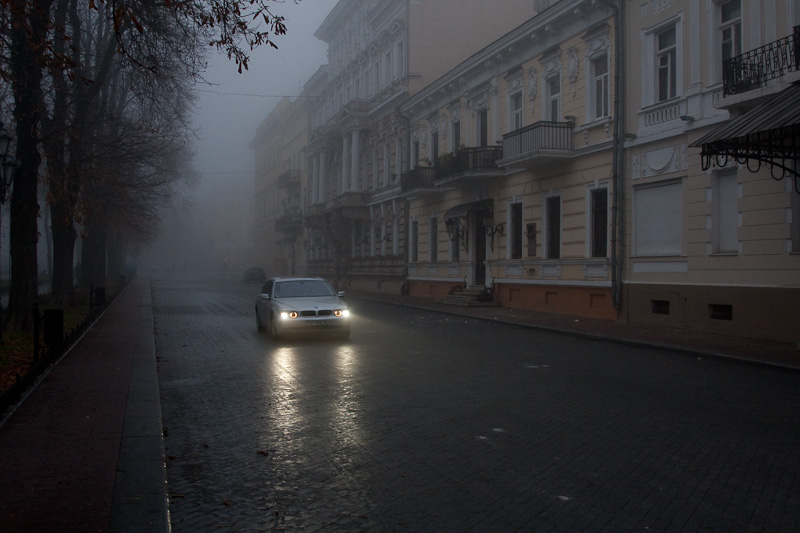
(99, 296)
(53, 327)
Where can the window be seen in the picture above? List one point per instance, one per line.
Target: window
(415, 153)
(553, 227)
(435, 148)
(666, 61)
(456, 135)
(658, 220)
(553, 98)
(414, 244)
(600, 92)
(483, 128)
(793, 215)
(598, 226)
(386, 165)
(731, 29)
(375, 173)
(398, 158)
(455, 242)
(515, 231)
(387, 68)
(725, 213)
(515, 109)
(399, 59)
(433, 252)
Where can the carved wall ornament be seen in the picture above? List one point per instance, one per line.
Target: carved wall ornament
(684, 157)
(597, 45)
(572, 69)
(551, 66)
(533, 83)
(661, 161)
(660, 5)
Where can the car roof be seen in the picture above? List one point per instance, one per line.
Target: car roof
(297, 278)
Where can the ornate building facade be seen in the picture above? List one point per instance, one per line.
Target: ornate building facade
(711, 238)
(599, 158)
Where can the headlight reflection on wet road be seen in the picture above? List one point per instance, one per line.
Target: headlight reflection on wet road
(311, 391)
(347, 402)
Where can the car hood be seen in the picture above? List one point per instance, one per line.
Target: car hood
(299, 304)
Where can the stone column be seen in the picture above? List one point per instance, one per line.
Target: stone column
(315, 179)
(355, 148)
(344, 186)
(323, 166)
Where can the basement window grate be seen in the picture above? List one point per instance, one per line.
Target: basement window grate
(660, 307)
(720, 312)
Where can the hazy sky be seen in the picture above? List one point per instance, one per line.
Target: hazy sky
(229, 111)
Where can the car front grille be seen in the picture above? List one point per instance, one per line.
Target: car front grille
(324, 312)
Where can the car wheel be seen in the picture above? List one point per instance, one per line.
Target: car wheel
(259, 325)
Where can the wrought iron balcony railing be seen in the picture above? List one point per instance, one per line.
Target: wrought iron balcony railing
(289, 179)
(536, 137)
(289, 221)
(469, 160)
(418, 177)
(755, 68)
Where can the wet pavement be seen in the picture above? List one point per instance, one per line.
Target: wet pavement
(426, 420)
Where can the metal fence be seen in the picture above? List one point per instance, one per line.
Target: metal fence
(755, 68)
(542, 135)
(50, 342)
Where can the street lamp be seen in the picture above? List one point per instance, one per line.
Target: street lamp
(7, 168)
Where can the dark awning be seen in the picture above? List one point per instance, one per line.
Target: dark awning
(767, 134)
(462, 210)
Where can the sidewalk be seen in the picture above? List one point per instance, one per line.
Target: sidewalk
(778, 354)
(84, 451)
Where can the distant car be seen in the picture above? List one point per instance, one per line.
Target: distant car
(255, 274)
(301, 304)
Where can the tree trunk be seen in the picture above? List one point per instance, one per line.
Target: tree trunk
(93, 256)
(116, 255)
(62, 198)
(27, 38)
(64, 236)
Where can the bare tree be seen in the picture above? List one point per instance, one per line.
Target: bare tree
(91, 43)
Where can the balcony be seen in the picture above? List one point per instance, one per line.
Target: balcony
(289, 180)
(290, 222)
(754, 69)
(418, 178)
(530, 146)
(469, 162)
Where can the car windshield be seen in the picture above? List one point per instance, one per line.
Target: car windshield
(299, 289)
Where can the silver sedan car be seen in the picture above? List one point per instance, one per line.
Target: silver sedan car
(301, 304)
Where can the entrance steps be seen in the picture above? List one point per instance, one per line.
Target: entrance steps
(471, 296)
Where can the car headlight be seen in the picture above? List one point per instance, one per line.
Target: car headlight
(285, 315)
(342, 313)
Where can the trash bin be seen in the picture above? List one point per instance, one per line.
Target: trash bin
(100, 296)
(53, 327)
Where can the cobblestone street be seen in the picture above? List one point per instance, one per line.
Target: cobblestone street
(423, 421)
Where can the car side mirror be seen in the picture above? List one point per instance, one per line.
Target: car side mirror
(341, 294)
(264, 296)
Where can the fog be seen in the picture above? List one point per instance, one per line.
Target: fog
(209, 225)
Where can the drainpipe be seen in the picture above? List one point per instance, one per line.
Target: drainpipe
(617, 176)
(407, 160)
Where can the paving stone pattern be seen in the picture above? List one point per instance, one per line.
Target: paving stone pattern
(428, 422)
